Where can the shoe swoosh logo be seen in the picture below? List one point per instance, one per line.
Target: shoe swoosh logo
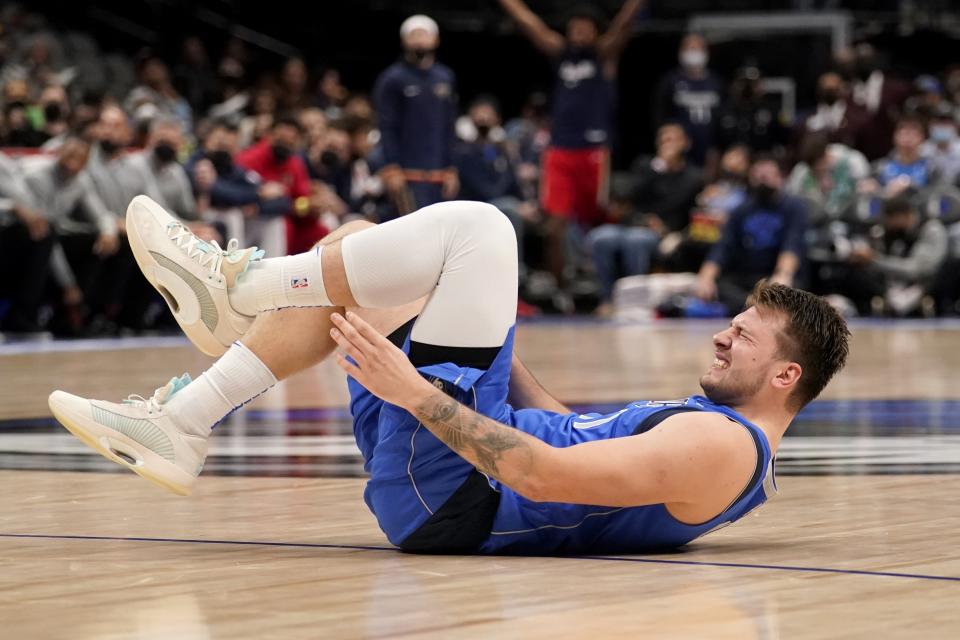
(208, 309)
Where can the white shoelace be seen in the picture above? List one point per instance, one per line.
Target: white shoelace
(151, 404)
(206, 254)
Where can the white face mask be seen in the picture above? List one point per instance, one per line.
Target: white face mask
(942, 133)
(693, 58)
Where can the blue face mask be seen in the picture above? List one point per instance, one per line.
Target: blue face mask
(942, 133)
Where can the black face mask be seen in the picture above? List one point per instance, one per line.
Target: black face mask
(281, 153)
(865, 68)
(828, 96)
(483, 130)
(52, 112)
(222, 161)
(764, 194)
(904, 235)
(418, 55)
(330, 160)
(109, 147)
(165, 153)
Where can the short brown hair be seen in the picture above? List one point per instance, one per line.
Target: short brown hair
(815, 336)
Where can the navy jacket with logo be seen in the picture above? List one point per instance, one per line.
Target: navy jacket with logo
(416, 109)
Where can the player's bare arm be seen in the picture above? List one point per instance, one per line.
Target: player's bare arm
(691, 459)
(526, 392)
(610, 45)
(543, 37)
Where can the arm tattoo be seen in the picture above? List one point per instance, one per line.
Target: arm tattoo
(494, 449)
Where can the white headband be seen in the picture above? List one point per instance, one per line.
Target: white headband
(419, 21)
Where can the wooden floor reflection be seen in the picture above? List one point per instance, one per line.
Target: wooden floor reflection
(844, 551)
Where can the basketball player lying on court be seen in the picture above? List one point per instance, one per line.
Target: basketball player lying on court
(453, 466)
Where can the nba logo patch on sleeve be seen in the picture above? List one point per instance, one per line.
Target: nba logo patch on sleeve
(299, 283)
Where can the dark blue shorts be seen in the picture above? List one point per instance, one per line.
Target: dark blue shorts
(425, 497)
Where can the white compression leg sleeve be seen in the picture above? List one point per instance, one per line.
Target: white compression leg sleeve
(464, 254)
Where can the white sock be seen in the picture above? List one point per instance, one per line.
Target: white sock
(277, 283)
(233, 380)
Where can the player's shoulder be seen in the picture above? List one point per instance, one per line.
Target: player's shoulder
(706, 427)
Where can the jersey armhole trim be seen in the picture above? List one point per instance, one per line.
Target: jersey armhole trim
(750, 486)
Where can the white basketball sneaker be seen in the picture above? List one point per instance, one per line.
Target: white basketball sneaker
(138, 434)
(192, 275)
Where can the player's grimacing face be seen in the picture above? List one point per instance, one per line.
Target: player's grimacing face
(744, 357)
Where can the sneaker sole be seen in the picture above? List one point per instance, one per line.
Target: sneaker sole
(109, 443)
(176, 292)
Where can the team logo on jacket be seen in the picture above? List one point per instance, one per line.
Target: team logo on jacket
(411, 91)
(442, 90)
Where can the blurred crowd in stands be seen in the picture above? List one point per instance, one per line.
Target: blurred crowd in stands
(856, 198)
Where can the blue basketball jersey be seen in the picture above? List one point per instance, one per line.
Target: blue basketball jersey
(522, 526)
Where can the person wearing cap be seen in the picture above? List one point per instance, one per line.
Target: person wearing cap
(576, 164)
(416, 105)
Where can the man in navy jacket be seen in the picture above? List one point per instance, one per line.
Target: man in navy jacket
(416, 104)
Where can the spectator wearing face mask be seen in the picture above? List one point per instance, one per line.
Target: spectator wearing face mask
(121, 295)
(942, 148)
(835, 116)
(283, 173)
(327, 153)
(693, 96)
(159, 174)
(108, 167)
(363, 192)
(416, 105)
(763, 238)
(56, 115)
(529, 136)
(19, 130)
(87, 231)
(251, 210)
(487, 171)
(895, 268)
(750, 117)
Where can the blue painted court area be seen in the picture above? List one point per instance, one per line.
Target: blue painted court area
(829, 437)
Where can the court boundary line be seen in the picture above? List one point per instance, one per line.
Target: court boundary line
(314, 545)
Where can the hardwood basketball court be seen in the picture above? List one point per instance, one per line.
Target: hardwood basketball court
(276, 540)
